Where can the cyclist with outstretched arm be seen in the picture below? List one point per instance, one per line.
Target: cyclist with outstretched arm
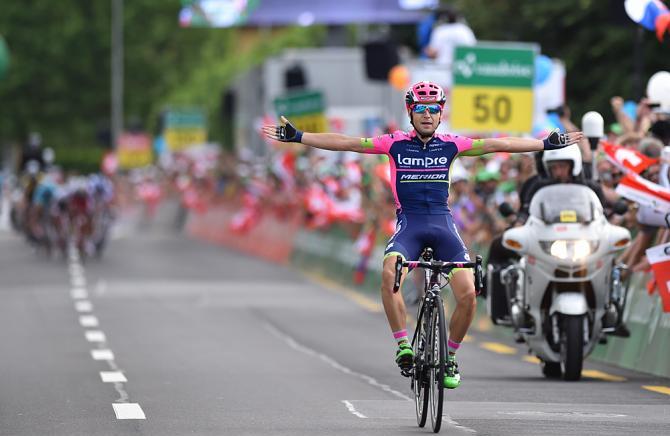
(420, 168)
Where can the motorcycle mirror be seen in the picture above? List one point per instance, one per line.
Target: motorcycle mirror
(506, 209)
(620, 207)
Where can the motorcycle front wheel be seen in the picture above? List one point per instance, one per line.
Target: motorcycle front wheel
(572, 347)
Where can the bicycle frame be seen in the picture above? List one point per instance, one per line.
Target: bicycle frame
(433, 271)
(429, 340)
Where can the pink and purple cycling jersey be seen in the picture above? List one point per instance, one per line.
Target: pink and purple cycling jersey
(420, 172)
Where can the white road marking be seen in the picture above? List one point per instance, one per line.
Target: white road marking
(76, 270)
(350, 407)
(78, 282)
(88, 321)
(333, 363)
(95, 336)
(564, 414)
(113, 377)
(102, 354)
(79, 293)
(83, 306)
(128, 411)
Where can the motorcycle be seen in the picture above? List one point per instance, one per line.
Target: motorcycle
(565, 292)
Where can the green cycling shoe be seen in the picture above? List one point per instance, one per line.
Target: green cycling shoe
(452, 378)
(404, 357)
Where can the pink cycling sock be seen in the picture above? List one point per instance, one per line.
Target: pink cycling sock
(400, 336)
(452, 346)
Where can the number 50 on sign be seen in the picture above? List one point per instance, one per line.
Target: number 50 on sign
(486, 109)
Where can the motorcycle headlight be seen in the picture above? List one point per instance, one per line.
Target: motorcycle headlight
(573, 250)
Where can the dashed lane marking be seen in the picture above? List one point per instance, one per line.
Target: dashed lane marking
(128, 411)
(88, 321)
(102, 354)
(83, 306)
(531, 359)
(95, 336)
(498, 348)
(113, 377)
(122, 408)
(350, 407)
(594, 373)
(79, 294)
(660, 389)
(588, 373)
(78, 282)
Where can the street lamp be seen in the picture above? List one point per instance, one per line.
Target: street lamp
(117, 71)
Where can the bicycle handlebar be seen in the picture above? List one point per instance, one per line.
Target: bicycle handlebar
(439, 266)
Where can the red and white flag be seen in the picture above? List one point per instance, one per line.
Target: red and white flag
(659, 258)
(644, 192)
(627, 158)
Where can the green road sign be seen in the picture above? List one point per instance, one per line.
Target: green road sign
(493, 88)
(494, 66)
(305, 109)
(185, 127)
(300, 103)
(185, 118)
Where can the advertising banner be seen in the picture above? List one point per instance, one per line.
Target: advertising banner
(185, 127)
(134, 150)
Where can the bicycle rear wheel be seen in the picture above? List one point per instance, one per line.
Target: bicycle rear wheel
(438, 356)
(420, 375)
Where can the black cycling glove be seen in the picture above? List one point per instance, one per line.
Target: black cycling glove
(556, 140)
(289, 133)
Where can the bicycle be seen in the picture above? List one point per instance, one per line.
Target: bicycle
(429, 341)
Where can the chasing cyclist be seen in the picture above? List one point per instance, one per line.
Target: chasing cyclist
(420, 170)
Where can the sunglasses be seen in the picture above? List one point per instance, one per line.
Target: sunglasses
(421, 108)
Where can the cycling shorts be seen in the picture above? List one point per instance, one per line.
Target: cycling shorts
(415, 232)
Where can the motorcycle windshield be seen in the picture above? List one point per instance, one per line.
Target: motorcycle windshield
(566, 203)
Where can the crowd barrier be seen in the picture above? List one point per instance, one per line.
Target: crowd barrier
(332, 254)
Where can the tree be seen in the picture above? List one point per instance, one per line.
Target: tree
(595, 39)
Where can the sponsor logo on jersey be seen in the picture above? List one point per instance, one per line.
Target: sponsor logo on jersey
(423, 177)
(423, 162)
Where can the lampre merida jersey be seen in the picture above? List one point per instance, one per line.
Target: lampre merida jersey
(420, 172)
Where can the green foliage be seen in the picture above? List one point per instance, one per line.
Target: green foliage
(59, 83)
(206, 82)
(595, 39)
(83, 159)
(59, 80)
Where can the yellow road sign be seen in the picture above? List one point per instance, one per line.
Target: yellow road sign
(488, 108)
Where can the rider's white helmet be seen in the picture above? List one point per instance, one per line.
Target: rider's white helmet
(570, 153)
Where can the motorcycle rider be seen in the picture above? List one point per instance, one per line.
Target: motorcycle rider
(560, 166)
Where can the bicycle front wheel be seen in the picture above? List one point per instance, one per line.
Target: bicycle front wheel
(438, 356)
(421, 375)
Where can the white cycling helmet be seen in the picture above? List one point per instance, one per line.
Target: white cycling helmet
(570, 153)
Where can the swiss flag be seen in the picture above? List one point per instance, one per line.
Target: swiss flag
(640, 190)
(659, 258)
(627, 158)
